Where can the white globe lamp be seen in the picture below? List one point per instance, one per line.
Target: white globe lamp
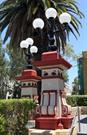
(33, 49)
(24, 44)
(65, 18)
(38, 23)
(51, 13)
(30, 41)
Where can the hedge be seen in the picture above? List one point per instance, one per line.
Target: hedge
(14, 114)
(77, 100)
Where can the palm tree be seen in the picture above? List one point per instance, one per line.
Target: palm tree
(17, 17)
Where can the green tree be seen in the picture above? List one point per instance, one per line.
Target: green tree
(70, 53)
(69, 56)
(17, 16)
(66, 77)
(16, 62)
(75, 88)
(3, 71)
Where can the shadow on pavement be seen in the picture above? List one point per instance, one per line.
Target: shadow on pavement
(84, 120)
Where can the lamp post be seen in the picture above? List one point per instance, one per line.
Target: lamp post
(64, 19)
(29, 49)
(29, 77)
(52, 36)
(51, 14)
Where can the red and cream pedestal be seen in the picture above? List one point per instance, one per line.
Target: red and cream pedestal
(54, 112)
(29, 81)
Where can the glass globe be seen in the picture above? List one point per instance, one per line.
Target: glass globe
(65, 18)
(51, 12)
(38, 23)
(33, 49)
(29, 41)
(24, 44)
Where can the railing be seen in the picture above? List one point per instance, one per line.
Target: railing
(82, 128)
(73, 123)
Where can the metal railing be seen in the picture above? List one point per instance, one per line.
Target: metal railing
(74, 122)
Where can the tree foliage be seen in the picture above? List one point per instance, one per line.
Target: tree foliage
(2, 125)
(70, 53)
(17, 16)
(16, 63)
(3, 71)
(75, 89)
(14, 115)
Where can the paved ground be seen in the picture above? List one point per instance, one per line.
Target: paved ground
(83, 124)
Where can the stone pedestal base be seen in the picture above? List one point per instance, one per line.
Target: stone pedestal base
(47, 123)
(53, 123)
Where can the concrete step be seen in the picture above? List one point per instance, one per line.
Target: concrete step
(52, 132)
(49, 132)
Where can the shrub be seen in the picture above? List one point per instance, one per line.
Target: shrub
(77, 100)
(82, 101)
(15, 113)
(2, 125)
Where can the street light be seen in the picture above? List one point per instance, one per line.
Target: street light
(29, 49)
(51, 15)
(38, 23)
(65, 18)
(33, 49)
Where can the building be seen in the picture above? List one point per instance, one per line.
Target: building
(82, 73)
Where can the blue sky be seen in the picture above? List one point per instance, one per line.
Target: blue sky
(80, 44)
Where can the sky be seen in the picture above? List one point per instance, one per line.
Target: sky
(79, 44)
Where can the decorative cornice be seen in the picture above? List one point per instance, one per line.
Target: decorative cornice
(52, 77)
(28, 74)
(51, 59)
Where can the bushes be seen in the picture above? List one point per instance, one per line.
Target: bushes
(77, 100)
(82, 100)
(2, 125)
(14, 113)
(72, 100)
(14, 116)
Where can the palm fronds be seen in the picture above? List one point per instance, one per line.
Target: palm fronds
(17, 16)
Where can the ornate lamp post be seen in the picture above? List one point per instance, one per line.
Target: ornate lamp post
(52, 84)
(51, 15)
(28, 77)
(52, 63)
(29, 50)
